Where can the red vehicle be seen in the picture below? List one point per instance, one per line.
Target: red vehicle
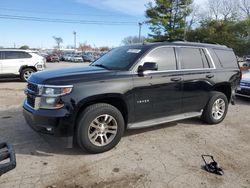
(52, 58)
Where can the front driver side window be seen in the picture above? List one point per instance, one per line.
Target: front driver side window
(164, 57)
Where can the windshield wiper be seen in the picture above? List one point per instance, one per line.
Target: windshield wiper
(102, 66)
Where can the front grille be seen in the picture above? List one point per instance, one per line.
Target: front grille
(31, 101)
(33, 87)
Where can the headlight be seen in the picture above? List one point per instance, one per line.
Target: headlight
(51, 96)
(50, 91)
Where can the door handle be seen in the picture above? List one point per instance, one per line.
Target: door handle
(210, 76)
(176, 79)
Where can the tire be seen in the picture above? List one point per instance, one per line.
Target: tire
(26, 73)
(216, 108)
(94, 123)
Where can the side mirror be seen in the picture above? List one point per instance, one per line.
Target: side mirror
(148, 66)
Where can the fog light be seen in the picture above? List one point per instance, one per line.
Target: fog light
(49, 129)
(50, 100)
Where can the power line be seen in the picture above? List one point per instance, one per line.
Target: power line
(61, 13)
(68, 21)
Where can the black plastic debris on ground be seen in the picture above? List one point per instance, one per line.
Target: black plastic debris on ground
(7, 158)
(212, 166)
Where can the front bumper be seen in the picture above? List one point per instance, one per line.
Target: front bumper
(53, 122)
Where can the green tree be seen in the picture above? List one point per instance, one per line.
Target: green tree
(167, 18)
(24, 47)
(234, 34)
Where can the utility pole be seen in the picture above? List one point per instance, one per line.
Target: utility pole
(140, 25)
(74, 39)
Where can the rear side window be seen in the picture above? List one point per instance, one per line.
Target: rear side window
(15, 55)
(164, 57)
(191, 58)
(227, 58)
(24, 55)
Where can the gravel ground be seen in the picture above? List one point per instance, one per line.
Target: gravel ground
(167, 155)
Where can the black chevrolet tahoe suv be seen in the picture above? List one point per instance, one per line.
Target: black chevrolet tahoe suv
(132, 87)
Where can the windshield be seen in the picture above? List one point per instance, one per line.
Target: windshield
(121, 58)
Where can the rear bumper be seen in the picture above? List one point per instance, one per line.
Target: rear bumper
(52, 122)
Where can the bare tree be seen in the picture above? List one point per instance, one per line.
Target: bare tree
(245, 7)
(223, 9)
(194, 17)
(214, 8)
(229, 9)
(58, 40)
(132, 40)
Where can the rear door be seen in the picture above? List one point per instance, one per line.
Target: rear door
(198, 73)
(10, 62)
(158, 93)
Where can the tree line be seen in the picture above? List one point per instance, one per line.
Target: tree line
(225, 22)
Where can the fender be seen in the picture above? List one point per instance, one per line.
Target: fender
(110, 98)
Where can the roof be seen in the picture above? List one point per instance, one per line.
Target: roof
(182, 43)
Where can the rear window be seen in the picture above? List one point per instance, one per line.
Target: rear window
(226, 58)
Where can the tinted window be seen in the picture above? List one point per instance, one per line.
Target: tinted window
(191, 58)
(205, 59)
(1, 55)
(121, 58)
(15, 55)
(215, 58)
(11, 55)
(226, 58)
(164, 57)
(24, 55)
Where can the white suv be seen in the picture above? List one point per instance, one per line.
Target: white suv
(20, 63)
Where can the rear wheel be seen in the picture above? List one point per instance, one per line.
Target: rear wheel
(216, 108)
(100, 128)
(26, 73)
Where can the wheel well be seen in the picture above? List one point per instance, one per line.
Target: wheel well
(226, 89)
(114, 101)
(25, 67)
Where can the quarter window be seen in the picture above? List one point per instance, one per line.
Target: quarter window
(164, 57)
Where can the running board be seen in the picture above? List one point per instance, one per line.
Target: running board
(149, 123)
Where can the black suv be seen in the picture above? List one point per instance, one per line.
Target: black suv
(132, 87)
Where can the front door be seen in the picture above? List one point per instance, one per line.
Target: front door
(158, 93)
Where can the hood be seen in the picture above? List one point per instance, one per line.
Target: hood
(69, 75)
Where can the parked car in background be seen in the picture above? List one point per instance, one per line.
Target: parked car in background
(76, 58)
(20, 63)
(88, 58)
(52, 58)
(243, 89)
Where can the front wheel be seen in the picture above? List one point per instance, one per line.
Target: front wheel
(99, 128)
(216, 109)
(26, 73)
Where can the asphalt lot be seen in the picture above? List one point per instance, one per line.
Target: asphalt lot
(167, 155)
